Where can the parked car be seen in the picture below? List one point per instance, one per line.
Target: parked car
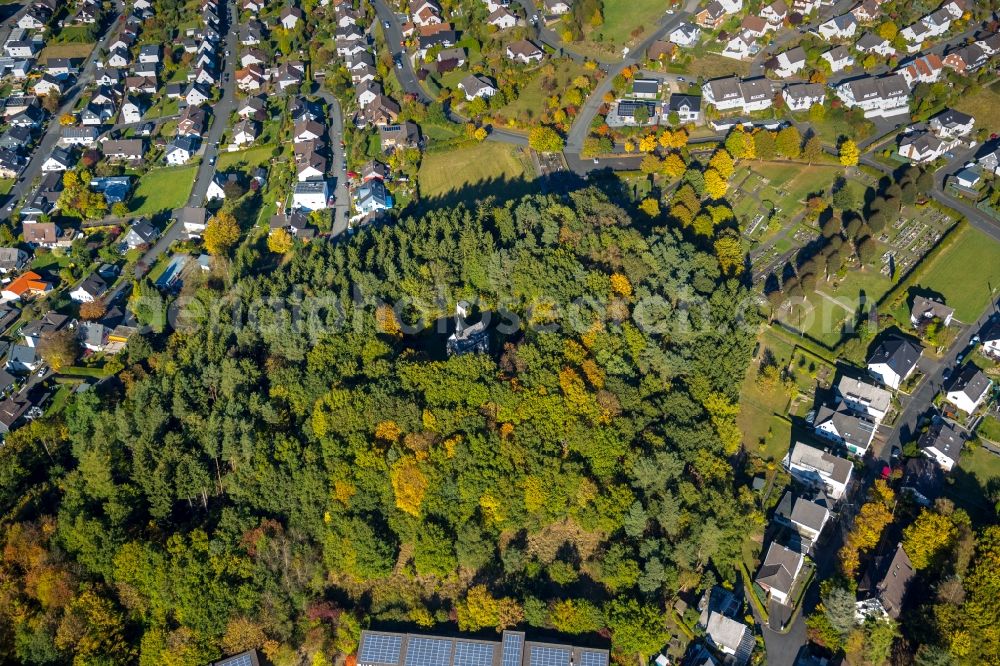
(896, 452)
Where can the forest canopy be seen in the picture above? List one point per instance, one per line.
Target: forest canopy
(260, 478)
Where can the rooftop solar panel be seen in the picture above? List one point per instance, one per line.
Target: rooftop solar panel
(590, 658)
(421, 651)
(379, 649)
(237, 660)
(548, 656)
(473, 654)
(513, 644)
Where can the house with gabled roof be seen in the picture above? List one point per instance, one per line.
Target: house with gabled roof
(884, 586)
(894, 360)
(817, 468)
(802, 96)
(25, 285)
(925, 309)
(524, 51)
(864, 397)
(968, 388)
(839, 423)
(839, 27)
(779, 571)
(788, 63)
(942, 442)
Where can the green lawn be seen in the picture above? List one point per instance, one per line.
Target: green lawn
(964, 273)
(163, 189)
(622, 18)
(79, 35)
(49, 261)
(977, 469)
(983, 105)
(444, 172)
(762, 430)
(251, 157)
(837, 123)
(989, 428)
(5, 185)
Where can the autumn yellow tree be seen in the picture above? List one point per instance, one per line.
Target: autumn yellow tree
(729, 252)
(221, 233)
(849, 153)
(480, 609)
(280, 241)
(715, 185)
(722, 162)
(930, 535)
(873, 517)
(647, 144)
(93, 310)
(409, 485)
(673, 166)
(650, 206)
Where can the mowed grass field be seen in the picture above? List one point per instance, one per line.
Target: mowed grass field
(251, 157)
(445, 172)
(983, 105)
(965, 273)
(621, 18)
(67, 50)
(758, 419)
(163, 189)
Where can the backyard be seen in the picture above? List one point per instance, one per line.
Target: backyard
(66, 50)
(621, 19)
(982, 105)
(251, 157)
(948, 273)
(531, 99)
(163, 189)
(764, 431)
(445, 172)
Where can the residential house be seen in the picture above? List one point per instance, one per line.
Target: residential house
(685, 35)
(309, 165)
(990, 338)
(476, 85)
(382, 111)
(10, 163)
(12, 259)
(289, 74)
(839, 59)
(197, 95)
(876, 45)
(942, 442)
(687, 107)
(18, 139)
(732, 93)
(290, 17)
(952, 124)
(124, 150)
(803, 515)
(775, 13)
(712, 16)
(119, 57)
(741, 46)
(12, 411)
(524, 51)
(968, 178)
(150, 54)
(425, 12)
(114, 188)
(144, 85)
(839, 27)
(181, 149)
(989, 159)
(926, 309)
(893, 361)
(26, 284)
(373, 169)
(295, 222)
(90, 289)
(921, 146)
(22, 358)
(730, 638)
(367, 92)
(556, 7)
(924, 69)
(502, 19)
(311, 195)
(245, 132)
(883, 96)
(194, 219)
(49, 323)
(60, 159)
(31, 117)
(842, 425)
(307, 130)
(968, 388)
(966, 58)
(371, 197)
(922, 480)
(788, 63)
(47, 85)
(778, 572)
(251, 78)
(193, 122)
(864, 397)
(132, 110)
(866, 11)
(142, 233)
(801, 96)
(253, 108)
(817, 468)
(990, 45)
(883, 588)
(402, 135)
(44, 234)
(347, 48)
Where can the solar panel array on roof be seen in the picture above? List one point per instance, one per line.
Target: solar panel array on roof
(548, 656)
(473, 654)
(421, 651)
(245, 659)
(380, 649)
(513, 645)
(592, 658)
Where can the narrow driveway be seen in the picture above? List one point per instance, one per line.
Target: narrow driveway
(335, 132)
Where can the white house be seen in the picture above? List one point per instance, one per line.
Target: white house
(778, 572)
(730, 637)
(685, 35)
(872, 43)
(926, 309)
(883, 96)
(742, 46)
(311, 195)
(839, 27)
(731, 93)
(842, 425)
(556, 7)
(475, 86)
(193, 219)
(687, 107)
(893, 361)
(921, 146)
(775, 13)
(181, 150)
(925, 69)
(942, 442)
(815, 467)
(801, 96)
(132, 111)
(790, 62)
(864, 397)
(839, 59)
(501, 19)
(524, 51)
(90, 289)
(808, 518)
(968, 388)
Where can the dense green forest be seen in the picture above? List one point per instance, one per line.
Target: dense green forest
(280, 477)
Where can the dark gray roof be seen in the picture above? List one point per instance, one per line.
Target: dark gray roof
(645, 86)
(779, 567)
(680, 101)
(970, 380)
(944, 438)
(899, 354)
(809, 514)
(853, 429)
(895, 579)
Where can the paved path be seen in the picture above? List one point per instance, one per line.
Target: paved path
(338, 162)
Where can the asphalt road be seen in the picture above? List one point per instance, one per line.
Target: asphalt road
(25, 183)
(335, 132)
(394, 38)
